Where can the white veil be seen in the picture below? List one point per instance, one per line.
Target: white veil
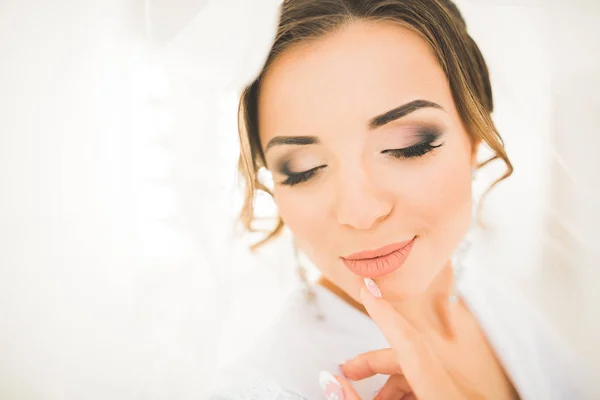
(121, 273)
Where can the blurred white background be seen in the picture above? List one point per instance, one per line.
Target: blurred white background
(122, 275)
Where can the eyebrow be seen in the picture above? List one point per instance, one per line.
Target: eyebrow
(400, 112)
(293, 140)
(374, 123)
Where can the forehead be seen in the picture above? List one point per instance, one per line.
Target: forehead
(340, 81)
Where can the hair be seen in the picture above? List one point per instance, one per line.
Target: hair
(439, 22)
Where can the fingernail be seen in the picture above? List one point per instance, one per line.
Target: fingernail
(341, 367)
(376, 392)
(372, 287)
(331, 387)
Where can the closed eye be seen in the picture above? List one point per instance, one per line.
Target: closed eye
(415, 151)
(294, 178)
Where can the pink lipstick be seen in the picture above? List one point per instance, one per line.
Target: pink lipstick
(379, 262)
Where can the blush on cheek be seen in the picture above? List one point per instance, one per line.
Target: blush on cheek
(440, 211)
(315, 233)
(306, 218)
(440, 197)
(449, 207)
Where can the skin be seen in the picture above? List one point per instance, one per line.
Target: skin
(363, 199)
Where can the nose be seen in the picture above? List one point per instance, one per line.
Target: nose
(360, 204)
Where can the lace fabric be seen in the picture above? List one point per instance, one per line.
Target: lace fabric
(256, 390)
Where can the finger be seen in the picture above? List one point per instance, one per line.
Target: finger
(424, 371)
(349, 392)
(384, 361)
(336, 387)
(396, 387)
(397, 331)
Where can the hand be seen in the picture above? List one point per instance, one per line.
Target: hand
(415, 371)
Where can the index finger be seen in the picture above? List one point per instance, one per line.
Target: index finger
(374, 362)
(423, 370)
(397, 331)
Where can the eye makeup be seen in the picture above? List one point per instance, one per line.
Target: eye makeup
(294, 178)
(425, 145)
(426, 137)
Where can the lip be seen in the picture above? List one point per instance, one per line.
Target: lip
(379, 262)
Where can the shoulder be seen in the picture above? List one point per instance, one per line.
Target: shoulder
(539, 361)
(260, 373)
(305, 339)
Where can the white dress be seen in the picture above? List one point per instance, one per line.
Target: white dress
(286, 362)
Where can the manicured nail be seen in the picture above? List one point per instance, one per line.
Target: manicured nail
(373, 288)
(331, 387)
(341, 367)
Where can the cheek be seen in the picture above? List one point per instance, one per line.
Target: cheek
(443, 201)
(448, 195)
(313, 229)
(304, 214)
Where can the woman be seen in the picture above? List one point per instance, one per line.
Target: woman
(369, 115)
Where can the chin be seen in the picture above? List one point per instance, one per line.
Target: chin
(413, 281)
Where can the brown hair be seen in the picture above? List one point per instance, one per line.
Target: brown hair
(439, 22)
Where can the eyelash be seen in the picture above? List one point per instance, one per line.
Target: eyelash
(296, 178)
(415, 151)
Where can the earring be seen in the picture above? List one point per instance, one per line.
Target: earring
(463, 248)
(309, 290)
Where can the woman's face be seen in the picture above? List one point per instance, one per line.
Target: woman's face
(351, 177)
